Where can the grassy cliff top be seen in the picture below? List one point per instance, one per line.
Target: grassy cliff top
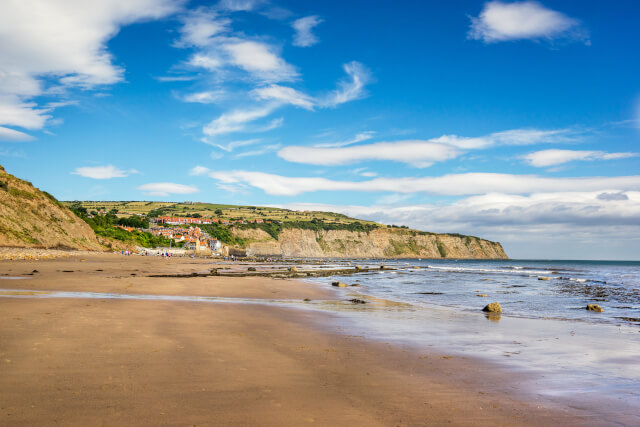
(214, 210)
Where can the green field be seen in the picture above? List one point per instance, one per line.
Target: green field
(229, 212)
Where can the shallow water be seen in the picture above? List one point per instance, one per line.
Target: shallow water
(516, 284)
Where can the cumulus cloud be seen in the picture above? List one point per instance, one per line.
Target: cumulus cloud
(167, 189)
(414, 152)
(500, 21)
(556, 157)
(303, 26)
(61, 43)
(103, 172)
(449, 185)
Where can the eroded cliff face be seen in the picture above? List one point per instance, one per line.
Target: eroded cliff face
(379, 243)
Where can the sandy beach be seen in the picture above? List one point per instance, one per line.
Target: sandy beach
(105, 361)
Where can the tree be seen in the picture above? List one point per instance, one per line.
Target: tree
(218, 212)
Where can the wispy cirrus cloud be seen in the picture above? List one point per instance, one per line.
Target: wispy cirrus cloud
(284, 95)
(236, 120)
(499, 21)
(303, 27)
(556, 157)
(103, 172)
(167, 189)
(359, 137)
(351, 88)
(414, 152)
(12, 135)
(206, 97)
(420, 153)
(449, 185)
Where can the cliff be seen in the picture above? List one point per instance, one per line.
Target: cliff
(378, 243)
(30, 218)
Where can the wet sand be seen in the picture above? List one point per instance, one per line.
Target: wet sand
(144, 362)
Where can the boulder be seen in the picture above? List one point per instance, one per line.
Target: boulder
(251, 269)
(357, 301)
(494, 307)
(594, 307)
(482, 295)
(355, 284)
(339, 284)
(544, 278)
(293, 269)
(359, 267)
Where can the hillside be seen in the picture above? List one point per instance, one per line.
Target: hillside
(31, 218)
(309, 233)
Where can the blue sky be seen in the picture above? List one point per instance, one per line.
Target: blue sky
(513, 121)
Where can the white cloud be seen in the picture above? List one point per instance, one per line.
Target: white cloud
(555, 157)
(199, 27)
(11, 135)
(415, 152)
(239, 5)
(167, 188)
(362, 136)
(285, 95)
(501, 21)
(103, 172)
(236, 120)
(230, 146)
(206, 97)
(303, 26)
(351, 88)
(199, 171)
(259, 59)
(449, 185)
(259, 152)
(64, 43)
(527, 136)
(419, 153)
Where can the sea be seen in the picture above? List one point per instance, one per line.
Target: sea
(571, 356)
(546, 289)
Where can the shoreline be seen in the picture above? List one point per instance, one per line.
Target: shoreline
(428, 386)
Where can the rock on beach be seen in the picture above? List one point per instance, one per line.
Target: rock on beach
(493, 307)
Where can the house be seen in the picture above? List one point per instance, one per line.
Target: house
(214, 244)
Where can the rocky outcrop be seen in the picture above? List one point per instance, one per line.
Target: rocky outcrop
(379, 243)
(30, 218)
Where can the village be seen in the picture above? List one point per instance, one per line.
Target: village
(187, 240)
